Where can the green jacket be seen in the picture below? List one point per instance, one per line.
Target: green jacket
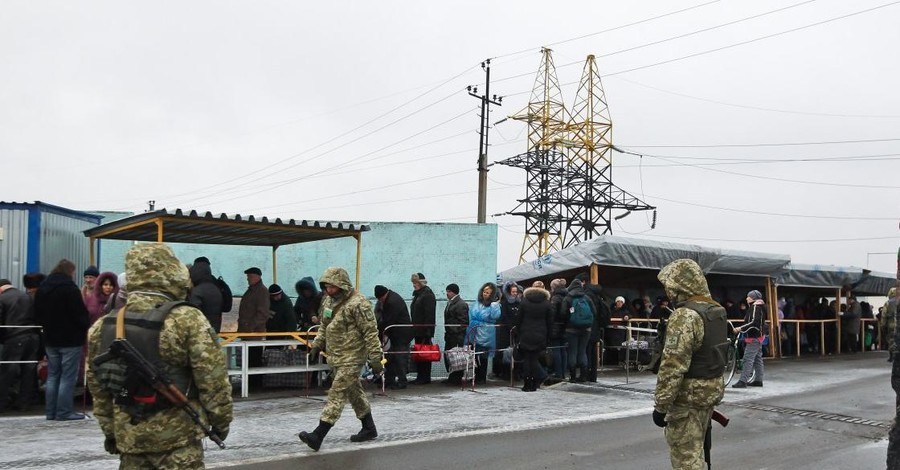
(348, 333)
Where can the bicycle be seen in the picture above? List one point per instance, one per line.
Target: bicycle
(734, 357)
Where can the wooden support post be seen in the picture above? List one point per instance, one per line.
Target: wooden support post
(837, 317)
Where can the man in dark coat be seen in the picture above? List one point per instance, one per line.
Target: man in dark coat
(455, 313)
(308, 301)
(601, 321)
(204, 293)
(281, 312)
(422, 311)
(60, 310)
(394, 312)
(19, 344)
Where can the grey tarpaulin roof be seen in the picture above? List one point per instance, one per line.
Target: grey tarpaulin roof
(624, 252)
(862, 282)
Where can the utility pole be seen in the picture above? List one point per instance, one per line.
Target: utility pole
(486, 101)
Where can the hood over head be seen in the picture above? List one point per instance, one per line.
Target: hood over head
(892, 292)
(494, 297)
(201, 272)
(306, 283)
(536, 294)
(98, 292)
(682, 280)
(152, 268)
(336, 277)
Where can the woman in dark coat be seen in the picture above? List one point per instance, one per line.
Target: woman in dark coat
(533, 331)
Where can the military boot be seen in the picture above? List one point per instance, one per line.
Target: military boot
(573, 374)
(314, 439)
(526, 387)
(368, 431)
(584, 374)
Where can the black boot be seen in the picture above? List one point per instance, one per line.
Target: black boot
(368, 431)
(526, 387)
(573, 375)
(314, 439)
(584, 374)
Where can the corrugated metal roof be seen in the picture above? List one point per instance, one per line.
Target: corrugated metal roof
(44, 207)
(207, 228)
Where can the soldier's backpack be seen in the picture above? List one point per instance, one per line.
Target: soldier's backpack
(122, 382)
(227, 297)
(580, 314)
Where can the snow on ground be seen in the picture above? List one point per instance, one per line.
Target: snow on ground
(266, 428)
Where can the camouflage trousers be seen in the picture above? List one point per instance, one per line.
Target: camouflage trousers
(891, 325)
(189, 457)
(685, 432)
(345, 387)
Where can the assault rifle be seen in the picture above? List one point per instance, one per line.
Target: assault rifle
(149, 374)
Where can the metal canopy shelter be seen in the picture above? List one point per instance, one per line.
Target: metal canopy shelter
(206, 228)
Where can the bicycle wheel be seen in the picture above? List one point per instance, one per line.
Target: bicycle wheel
(731, 362)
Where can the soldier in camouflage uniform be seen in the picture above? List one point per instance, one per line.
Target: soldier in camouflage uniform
(166, 439)
(689, 382)
(349, 337)
(893, 450)
(889, 321)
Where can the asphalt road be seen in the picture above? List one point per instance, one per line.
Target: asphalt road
(841, 424)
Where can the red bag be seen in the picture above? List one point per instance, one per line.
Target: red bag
(426, 353)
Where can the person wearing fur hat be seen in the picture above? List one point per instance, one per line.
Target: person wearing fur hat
(533, 330)
(753, 329)
(422, 311)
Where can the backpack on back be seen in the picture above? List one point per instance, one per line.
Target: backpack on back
(580, 314)
(227, 298)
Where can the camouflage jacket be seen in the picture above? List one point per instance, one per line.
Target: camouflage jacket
(348, 332)
(684, 279)
(186, 339)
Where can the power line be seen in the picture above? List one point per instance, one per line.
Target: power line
(827, 240)
(759, 108)
(616, 28)
(774, 214)
(767, 144)
(749, 41)
(672, 38)
(302, 177)
(332, 139)
(709, 51)
(718, 161)
(747, 175)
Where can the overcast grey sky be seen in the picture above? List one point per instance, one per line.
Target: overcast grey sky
(358, 111)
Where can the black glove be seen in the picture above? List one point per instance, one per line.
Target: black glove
(109, 444)
(659, 419)
(314, 355)
(221, 432)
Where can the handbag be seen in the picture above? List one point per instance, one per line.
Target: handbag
(426, 352)
(456, 358)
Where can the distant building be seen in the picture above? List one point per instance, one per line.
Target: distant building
(35, 236)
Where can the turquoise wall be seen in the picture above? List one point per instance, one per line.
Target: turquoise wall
(465, 254)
